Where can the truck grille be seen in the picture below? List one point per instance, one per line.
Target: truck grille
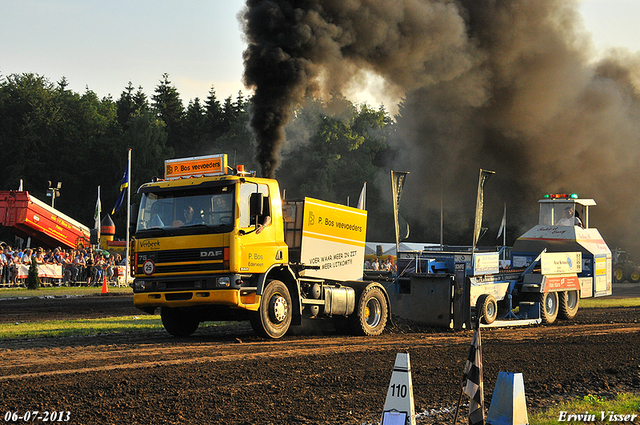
(179, 261)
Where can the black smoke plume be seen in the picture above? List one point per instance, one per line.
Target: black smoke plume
(506, 85)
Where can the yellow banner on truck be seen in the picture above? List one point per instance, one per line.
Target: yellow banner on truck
(211, 165)
(333, 239)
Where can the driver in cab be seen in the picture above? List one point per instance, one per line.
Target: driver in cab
(571, 218)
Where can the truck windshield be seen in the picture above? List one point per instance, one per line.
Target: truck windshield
(188, 210)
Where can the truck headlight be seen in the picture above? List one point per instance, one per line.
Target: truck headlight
(223, 282)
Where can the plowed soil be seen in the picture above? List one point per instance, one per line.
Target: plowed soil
(226, 375)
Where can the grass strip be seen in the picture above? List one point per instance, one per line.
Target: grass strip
(61, 291)
(605, 302)
(86, 327)
(594, 410)
(78, 327)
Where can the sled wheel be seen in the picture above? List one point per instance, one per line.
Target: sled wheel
(569, 302)
(273, 318)
(487, 309)
(178, 322)
(548, 307)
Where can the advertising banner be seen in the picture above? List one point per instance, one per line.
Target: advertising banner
(333, 239)
(53, 271)
(561, 262)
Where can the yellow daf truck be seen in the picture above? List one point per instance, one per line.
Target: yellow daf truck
(216, 243)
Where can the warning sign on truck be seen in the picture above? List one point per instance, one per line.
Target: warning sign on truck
(333, 239)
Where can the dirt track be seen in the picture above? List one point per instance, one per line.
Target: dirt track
(223, 375)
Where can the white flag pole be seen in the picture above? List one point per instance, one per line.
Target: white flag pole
(504, 235)
(127, 262)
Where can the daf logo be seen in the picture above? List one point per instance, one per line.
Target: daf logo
(206, 254)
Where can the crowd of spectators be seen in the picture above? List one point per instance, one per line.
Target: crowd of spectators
(377, 265)
(80, 267)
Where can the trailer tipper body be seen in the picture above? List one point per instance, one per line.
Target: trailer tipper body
(550, 268)
(216, 243)
(30, 217)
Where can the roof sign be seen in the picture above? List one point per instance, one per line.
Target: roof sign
(210, 165)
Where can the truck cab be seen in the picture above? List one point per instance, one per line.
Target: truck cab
(212, 243)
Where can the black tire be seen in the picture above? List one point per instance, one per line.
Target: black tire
(178, 322)
(634, 275)
(273, 318)
(372, 313)
(487, 309)
(569, 304)
(548, 307)
(618, 274)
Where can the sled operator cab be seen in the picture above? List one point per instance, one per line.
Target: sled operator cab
(564, 226)
(565, 210)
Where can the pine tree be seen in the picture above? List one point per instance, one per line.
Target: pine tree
(33, 280)
(195, 127)
(169, 108)
(213, 116)
(126, 106)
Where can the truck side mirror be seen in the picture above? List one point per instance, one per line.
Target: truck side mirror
(255, 204)
(133, 219)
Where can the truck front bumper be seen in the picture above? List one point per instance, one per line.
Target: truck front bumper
(234, 298)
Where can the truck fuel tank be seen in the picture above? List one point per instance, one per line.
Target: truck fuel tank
(339, 301)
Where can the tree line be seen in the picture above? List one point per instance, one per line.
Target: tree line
(50, 133)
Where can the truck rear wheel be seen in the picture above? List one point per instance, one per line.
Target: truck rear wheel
(178, 322)
(548, 307)
(569, 302)
(372, 312)
(273, 318)
(487, 308)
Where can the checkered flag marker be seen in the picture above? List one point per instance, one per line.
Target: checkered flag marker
(472, 380)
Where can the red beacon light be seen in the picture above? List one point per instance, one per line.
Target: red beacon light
(241, 171)
(561, 196)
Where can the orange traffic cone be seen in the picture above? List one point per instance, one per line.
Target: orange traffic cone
(105, 287)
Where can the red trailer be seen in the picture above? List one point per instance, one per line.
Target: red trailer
(48, 227)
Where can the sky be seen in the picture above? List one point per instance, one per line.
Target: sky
(104, 45)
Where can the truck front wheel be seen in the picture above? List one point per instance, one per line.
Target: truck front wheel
(569, 302)
(371, 313)
(273, 318)
(548, 307)
(178, 322)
